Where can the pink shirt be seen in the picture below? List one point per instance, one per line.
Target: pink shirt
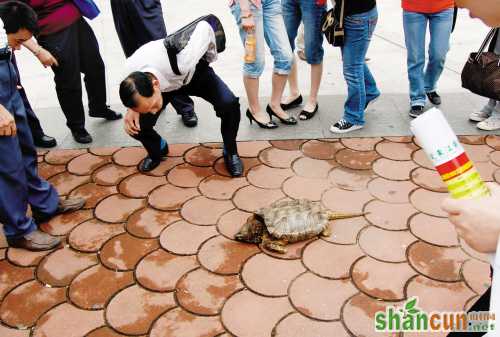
(257, 3)
(54, 15)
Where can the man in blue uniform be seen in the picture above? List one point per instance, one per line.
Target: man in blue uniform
(20, 184)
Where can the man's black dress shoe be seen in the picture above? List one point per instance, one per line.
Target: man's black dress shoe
(434, 98)
(45, 141)
(81, 136)
(189, 119)
(149, 164)
(107, 114)
(234, 165)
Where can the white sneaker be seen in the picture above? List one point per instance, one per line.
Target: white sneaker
(490, 124)
(481, 115)
(343, 126)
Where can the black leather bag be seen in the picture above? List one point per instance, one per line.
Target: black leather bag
(481, 73)
(333, 28)
(177, 41)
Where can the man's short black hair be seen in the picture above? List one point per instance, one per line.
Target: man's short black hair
(16, 16)
(135, 83)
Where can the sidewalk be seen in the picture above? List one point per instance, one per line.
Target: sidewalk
(388, 63)
(154, 254)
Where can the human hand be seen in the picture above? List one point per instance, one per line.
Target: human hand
(477, 221)
(7, 123)
(46, 58)
(248, 24)
(132, 124)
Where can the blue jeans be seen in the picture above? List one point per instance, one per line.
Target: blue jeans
(415, 27)
(307, 11)
(269, 27)
(361, 86)
(20, 184)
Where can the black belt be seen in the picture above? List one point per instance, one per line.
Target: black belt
(5, 56)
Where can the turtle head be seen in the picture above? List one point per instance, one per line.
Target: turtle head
(252, 231)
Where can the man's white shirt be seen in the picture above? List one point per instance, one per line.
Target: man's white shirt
(153, 58)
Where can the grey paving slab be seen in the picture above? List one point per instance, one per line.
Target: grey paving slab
(387, 117)
(388, 64)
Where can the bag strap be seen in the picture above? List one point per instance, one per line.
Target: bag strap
(486, 41)
(341, 19)
(455, 15)
(172, 57)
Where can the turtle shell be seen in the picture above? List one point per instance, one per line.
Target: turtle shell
(294, 220)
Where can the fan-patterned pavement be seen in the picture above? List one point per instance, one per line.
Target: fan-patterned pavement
(154, 255)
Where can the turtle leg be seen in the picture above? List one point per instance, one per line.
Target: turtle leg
(271, 244)
(327, 231)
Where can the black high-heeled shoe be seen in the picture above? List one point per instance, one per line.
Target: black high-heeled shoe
(305, 115)
(268, 125)
(295, 103)
(288, 121)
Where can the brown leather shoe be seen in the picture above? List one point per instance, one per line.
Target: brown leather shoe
(35, 241)
(69, 205)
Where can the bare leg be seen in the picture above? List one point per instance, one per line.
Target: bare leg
(252, 89)
(316, 75)
(293, 83)
(279, 82)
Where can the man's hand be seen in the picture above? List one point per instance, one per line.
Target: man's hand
(132, 124)
(477, 221)
(46, 58)
(7, 123)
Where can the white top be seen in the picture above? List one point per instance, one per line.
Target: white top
(4, 42)
(153, 58)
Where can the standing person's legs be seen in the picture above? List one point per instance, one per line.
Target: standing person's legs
(358, 31)
(277, 39)
(39, 136)
(292, 15)
(311, 16)
(92, 66)
(64, 46)
(252, 71)
(440, 29)
(19, 181)
(415, 26)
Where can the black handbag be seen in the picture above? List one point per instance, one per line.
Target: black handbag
(176, 41)
(333, 28)
(481, 73)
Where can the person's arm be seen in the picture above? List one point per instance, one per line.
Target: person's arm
(247, 21)
(7, 123)
(43, 55)
(477, 221)
(202, 39)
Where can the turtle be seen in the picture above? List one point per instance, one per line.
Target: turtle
(288, 221)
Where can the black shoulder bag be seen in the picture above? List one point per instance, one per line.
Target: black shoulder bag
(481, 73)
(332, 27)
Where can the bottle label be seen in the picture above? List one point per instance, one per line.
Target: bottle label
(462, 178)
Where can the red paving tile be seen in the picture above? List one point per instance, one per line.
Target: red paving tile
(320, 298)
(154, 254)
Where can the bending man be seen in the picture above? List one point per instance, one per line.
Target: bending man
(179, 65)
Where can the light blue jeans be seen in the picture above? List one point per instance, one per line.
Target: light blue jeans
(415, 28)
(361, 86)
(308, 12)
(269, 28)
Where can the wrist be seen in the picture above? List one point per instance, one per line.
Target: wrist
(37, 51)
